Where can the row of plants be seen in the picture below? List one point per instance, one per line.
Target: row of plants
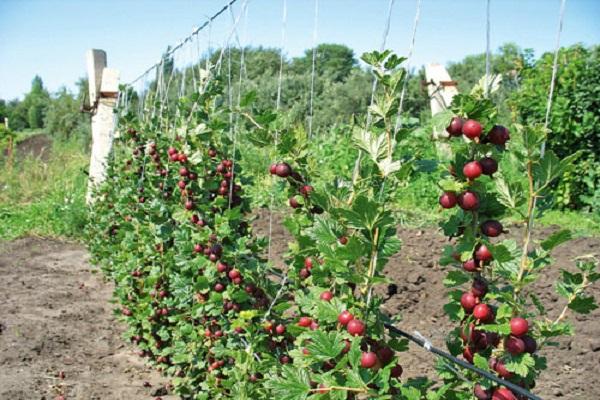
(207, 307)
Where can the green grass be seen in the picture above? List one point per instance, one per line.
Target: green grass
(581, 223)
(45, 198)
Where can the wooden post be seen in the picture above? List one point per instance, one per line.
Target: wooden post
(441, 90)
(103, 92)
(9, 145)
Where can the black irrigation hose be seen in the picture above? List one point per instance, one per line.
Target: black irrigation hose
(427, 345)
(421, 341)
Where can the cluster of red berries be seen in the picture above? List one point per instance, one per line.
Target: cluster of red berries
(284, 170)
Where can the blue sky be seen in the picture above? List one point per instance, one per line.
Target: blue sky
(50, 37)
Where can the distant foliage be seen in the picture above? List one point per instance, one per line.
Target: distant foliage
(574, 121)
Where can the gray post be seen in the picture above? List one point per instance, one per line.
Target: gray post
(103, 89)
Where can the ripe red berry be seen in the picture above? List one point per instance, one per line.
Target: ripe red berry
(304, 322)
(343, 240)
(519, 326)
(492, 228)
(503, 393)
(181, 185)
(221, 267)
(219, 287)
(468, 354)
(308, 264)
(479, 288)
(470, 265)
(273, 169)
(368, 359)
(489, 166)
(530, 344)
(304, 273)
(471, 129)
(294, 202)
(182, 158)
(285, 359)
(345, 317)
(171, 151)
(189, 205)
(233, 274)
(396, 371)
(468, 301)
(455, 127)
(306, 190)
(500, 368)
(448, 200)
(326, 295)
(483, 254)
(498, 135)
(481, 394)
(212, 153)
(514, 345)
(385, 355)
(483, 312)
(468, 200)
(183, 171)
(356, 327)
(283, 170)
(280, 329)
(472, 170)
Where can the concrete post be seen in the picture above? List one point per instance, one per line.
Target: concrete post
(103, 92)
(441, 90)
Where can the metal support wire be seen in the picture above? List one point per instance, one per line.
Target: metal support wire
(184, 41)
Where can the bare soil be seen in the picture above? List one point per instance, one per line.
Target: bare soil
(56, 316)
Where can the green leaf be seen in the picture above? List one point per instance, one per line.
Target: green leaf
(538, 304)
(456, 278)
(325, 346)
(583, 304)
(480, 362)
(520, 364)
(294, 384)
(556, 239)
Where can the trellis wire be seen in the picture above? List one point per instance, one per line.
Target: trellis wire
(487, 48)
(241, 43)
(188, 38)
(561, 16)
(277, 107)
(398, 124)
(312, 73)
(386, 32)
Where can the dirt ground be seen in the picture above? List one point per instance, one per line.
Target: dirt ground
(56, 316)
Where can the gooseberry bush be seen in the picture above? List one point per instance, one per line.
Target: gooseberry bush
(205, 305)
(502, 324)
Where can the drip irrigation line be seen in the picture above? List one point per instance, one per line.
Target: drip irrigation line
(182, 42)
(422, 341)
(426, 344)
